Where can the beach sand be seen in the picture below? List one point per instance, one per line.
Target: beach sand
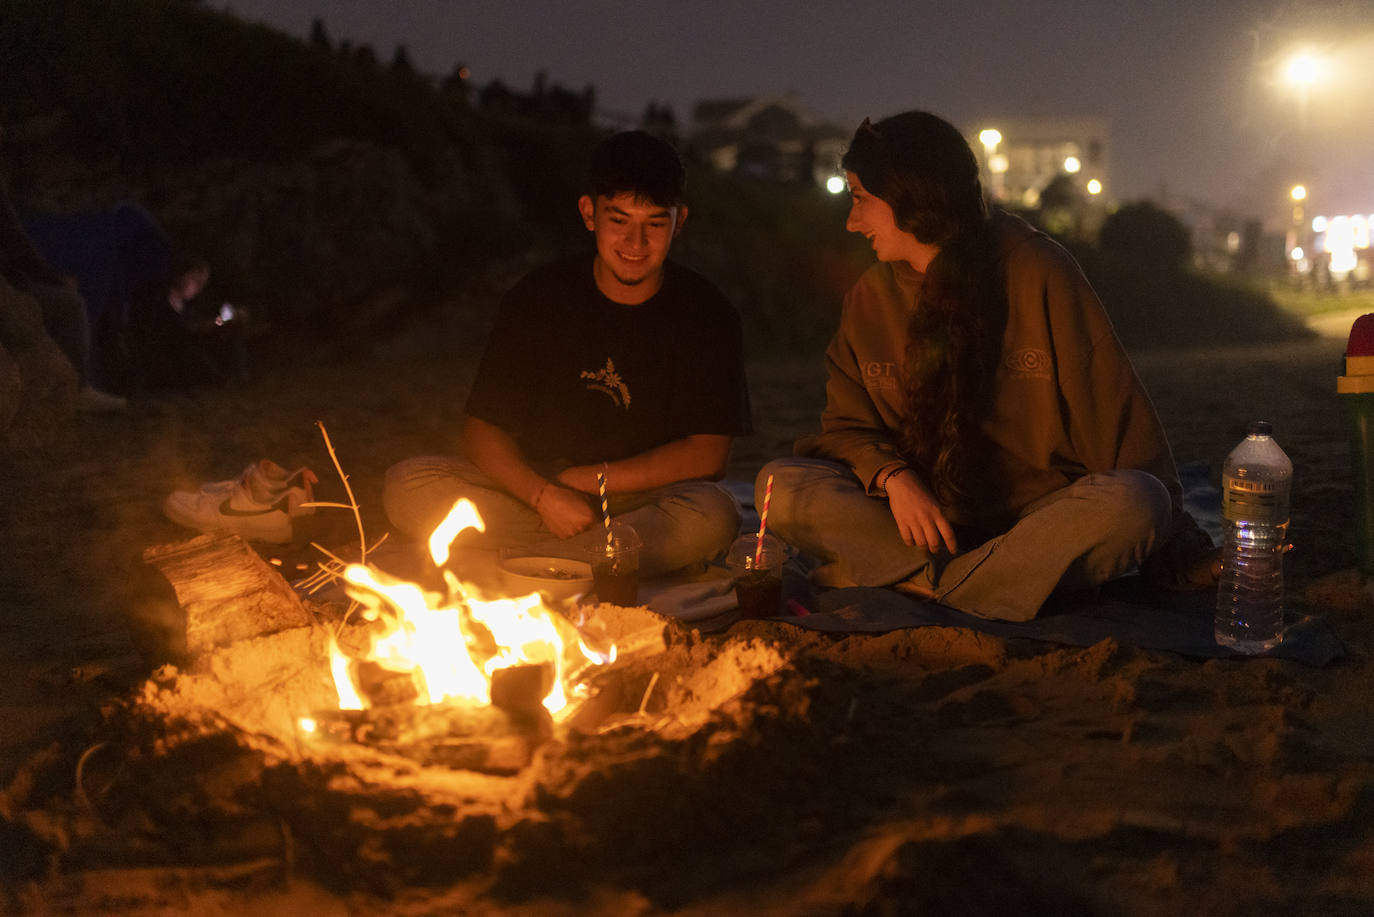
(934, 770)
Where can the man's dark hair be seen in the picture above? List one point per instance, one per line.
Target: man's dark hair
(638, 163)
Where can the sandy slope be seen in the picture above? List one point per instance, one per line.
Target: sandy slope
(960, 771)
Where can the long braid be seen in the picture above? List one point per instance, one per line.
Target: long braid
(924, 169)
(953, 346)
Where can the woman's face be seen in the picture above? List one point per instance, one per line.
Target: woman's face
(871, 217)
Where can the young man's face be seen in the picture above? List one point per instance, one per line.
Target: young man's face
(633, 236)
(871, 217)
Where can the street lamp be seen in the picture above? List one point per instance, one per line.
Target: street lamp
(1304, 70)
(990, 137)
(1297, 194)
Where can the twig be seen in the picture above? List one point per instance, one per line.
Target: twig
(81, 797)
(328, 553)
(352, 501)
(644, 701)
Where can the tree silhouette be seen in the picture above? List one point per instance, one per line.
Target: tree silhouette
(319, 37)
(1147, 234)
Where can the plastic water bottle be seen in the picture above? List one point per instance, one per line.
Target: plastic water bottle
(1255, 481)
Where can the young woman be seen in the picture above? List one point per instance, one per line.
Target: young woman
(985, 439)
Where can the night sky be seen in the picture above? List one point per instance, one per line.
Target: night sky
(1192, 91)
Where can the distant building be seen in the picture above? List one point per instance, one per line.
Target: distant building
(770, 137)
(1022, 159)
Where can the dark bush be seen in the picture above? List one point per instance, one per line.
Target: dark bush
(1144, 233)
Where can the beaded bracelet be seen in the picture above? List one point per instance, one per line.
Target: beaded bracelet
(882, 484)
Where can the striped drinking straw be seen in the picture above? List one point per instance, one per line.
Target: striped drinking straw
(605, 508)
(763, 521)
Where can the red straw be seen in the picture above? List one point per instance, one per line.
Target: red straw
(763, 521)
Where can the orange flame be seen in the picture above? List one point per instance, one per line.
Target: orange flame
(452, 643)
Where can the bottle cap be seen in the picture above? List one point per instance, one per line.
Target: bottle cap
(1359, 359)
(1361, 342)
(1260, 428)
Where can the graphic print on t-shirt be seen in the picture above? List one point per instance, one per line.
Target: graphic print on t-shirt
(608, 381)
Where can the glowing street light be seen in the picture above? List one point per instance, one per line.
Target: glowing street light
(996, 162)
(1303, 69)
(1072, 164)
(1094, 186)
(1299, 193)
(835, 184)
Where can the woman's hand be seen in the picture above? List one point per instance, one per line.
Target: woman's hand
(918, 515)
(565, 512)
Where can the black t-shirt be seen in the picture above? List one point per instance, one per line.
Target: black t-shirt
(578, 379)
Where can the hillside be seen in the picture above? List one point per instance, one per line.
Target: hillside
(338, 195)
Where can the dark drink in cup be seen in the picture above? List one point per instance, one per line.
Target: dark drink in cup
(759, 593)
(756, 567)
(615, 566)
(616, 580)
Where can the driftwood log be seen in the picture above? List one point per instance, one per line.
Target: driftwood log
(228, 592)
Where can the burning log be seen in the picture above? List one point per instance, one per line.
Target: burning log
(520, 689)
(458, 736)
(384, 687)
(227, 591)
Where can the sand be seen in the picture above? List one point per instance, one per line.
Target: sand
(934, 770)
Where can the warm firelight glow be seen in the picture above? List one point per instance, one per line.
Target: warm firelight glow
(343, 683)
(451, 644)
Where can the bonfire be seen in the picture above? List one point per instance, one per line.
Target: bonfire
(419, 733)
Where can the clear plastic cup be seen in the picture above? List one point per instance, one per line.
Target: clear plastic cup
(615, 566)
(757, 572)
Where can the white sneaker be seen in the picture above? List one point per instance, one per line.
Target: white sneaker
(236, 509)
(267, 481)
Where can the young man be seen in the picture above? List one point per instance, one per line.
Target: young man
(618, 362)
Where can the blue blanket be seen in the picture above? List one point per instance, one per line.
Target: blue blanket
(1126, 610)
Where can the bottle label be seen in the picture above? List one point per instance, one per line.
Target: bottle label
(1252, 501)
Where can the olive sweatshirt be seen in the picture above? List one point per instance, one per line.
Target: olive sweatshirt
(1067, 401)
